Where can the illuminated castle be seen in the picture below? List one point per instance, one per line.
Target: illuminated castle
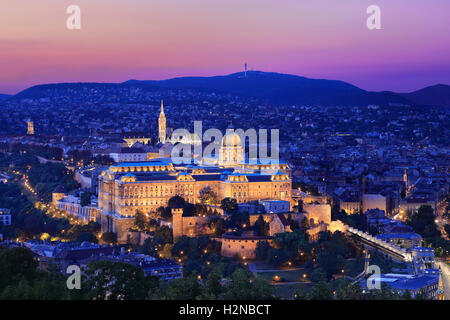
(127, 187)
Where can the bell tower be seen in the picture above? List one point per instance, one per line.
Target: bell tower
(177, 222)
(162, 132)
(30, 127)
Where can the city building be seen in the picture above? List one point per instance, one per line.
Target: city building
(415, 284)
(412, 203)
(129, 186)
(279, 224)
(350, 205)
(132, 138)
(30, 127)
(164, 269)
(405, 240)
(131, 154)
(5, 216)
(275, 206)
(72, 205)
(62, 255)
(317, 213)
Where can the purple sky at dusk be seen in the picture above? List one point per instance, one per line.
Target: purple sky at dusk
(159, 39)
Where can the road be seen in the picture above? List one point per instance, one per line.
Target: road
(445, 277)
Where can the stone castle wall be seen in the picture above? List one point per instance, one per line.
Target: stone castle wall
(245, 248)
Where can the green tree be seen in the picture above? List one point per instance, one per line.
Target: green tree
(140, 221)
(163, 234)
(109, 237)
(318, 275)
(422, 295)
(157, 245)
(20, 279)
(321, 291)
(240, 220)
(106, 280)
(349, 291)
(93, 227)
(218, 226)
(16, 263)
(244, 286)
(406, 295)
(423, 222)
(229, 205)
(261, 227)
(213, 287)
(330, 262)
(176, 202)
(289, 246)
(262, 250)
(86, 236)
(85, 199)
(178, 289)
(318, 291)
(208, 196)
(165, 213)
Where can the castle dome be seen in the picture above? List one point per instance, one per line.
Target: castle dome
(231, 139)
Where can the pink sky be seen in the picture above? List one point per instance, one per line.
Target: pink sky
(158, 39)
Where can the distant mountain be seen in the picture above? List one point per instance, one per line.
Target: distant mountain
(258, 84)
(438, 95)
(4, 96)
(273, 87)
(282, 88)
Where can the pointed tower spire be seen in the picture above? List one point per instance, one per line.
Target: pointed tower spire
(162, 130)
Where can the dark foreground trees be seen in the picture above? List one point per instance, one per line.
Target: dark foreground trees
(20, 278)
(106, 280)
(241, 286)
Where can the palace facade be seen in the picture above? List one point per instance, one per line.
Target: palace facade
(127, 187)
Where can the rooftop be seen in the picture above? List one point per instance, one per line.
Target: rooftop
(406, 235)
(142, 164)
(405, 281)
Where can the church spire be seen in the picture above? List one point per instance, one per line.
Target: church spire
(162, 130)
